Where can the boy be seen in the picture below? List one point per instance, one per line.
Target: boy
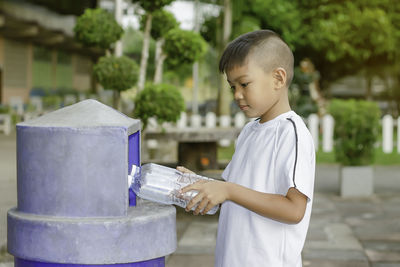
(266, 199)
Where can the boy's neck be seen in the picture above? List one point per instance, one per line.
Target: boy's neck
(281, 107)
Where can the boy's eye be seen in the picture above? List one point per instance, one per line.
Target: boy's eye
(232, 88)
(244, 85)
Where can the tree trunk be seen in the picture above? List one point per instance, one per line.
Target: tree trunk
(368, 93)
(159, 60)
(117, 51)
(224, 95)
(116, 99)
(396, 101)
(195, 68)
(145, 52)
(195, 77)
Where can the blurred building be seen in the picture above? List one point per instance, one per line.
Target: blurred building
(37, 48)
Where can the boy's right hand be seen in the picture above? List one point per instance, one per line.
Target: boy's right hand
(184, 170)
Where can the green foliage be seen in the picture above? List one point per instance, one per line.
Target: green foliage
(284, 17)
(177, 74)
(51, 102)
(182, 47)
(152, 5)
(352, 29)
(116, 73)
(161, 23)
(208, 30)
(4, 109)
(247, 24)
(97, 27)
(162, 101)
(345, 37)
(356, 130)
(340, 37)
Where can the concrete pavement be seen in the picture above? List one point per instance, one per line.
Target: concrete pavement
(353, 232)
(359, 232)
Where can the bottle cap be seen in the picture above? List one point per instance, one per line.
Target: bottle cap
(132, 174)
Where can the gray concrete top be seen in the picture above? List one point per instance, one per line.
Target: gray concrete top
(85, 114)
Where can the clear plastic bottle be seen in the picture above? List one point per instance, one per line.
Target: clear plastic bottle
(162, 184)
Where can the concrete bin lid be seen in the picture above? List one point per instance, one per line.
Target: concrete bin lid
(84, 114)
(74, 162)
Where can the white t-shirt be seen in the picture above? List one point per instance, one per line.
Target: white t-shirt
(270, 157)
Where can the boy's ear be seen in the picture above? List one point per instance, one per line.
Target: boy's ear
(279, 75)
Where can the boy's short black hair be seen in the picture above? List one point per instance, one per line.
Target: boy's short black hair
(268, 47)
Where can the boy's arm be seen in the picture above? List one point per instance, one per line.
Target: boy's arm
(288, 209)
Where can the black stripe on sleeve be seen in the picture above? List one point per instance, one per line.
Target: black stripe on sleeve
(295, 160)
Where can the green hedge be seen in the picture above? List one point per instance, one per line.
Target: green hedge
(97, 27)
(356, 131)
(162, 101)
(116, 73)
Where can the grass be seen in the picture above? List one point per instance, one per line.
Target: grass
(225, 153)
(324, 157)
(387, 159)
(380, 157)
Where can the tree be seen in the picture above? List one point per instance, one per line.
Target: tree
(97, 27)
(183, 47)
(224, 95)
(117, 73)
(163, 21)
(150, 7)
(161, 101)
(339, 37)
(352, 35)
(218, 32)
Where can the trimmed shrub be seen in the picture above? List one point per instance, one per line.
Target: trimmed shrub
(162, 101)
(356, 131)
(161, 23)
(97, 27)
(183, 47)
(153, 5)
(116, 73)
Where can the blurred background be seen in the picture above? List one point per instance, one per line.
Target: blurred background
(158, 61)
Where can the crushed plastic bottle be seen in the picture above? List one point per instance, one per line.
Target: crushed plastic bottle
(163, 184)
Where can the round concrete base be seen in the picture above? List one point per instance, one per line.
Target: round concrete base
(147, 232)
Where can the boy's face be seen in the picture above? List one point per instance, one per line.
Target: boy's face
(255, 90)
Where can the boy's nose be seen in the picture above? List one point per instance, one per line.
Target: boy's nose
(238, 94)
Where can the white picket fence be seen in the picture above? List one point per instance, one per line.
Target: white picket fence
(321, 129)
(317, 126)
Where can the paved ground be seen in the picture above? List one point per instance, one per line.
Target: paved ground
(363, 232)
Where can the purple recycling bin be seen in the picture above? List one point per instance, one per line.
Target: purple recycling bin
(74, 203)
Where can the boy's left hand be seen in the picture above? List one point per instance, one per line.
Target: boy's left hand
(211, 193)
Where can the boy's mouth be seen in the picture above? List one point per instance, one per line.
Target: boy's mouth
(244, 107)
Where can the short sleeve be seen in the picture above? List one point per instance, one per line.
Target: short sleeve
(295, 159)
(227, 172)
